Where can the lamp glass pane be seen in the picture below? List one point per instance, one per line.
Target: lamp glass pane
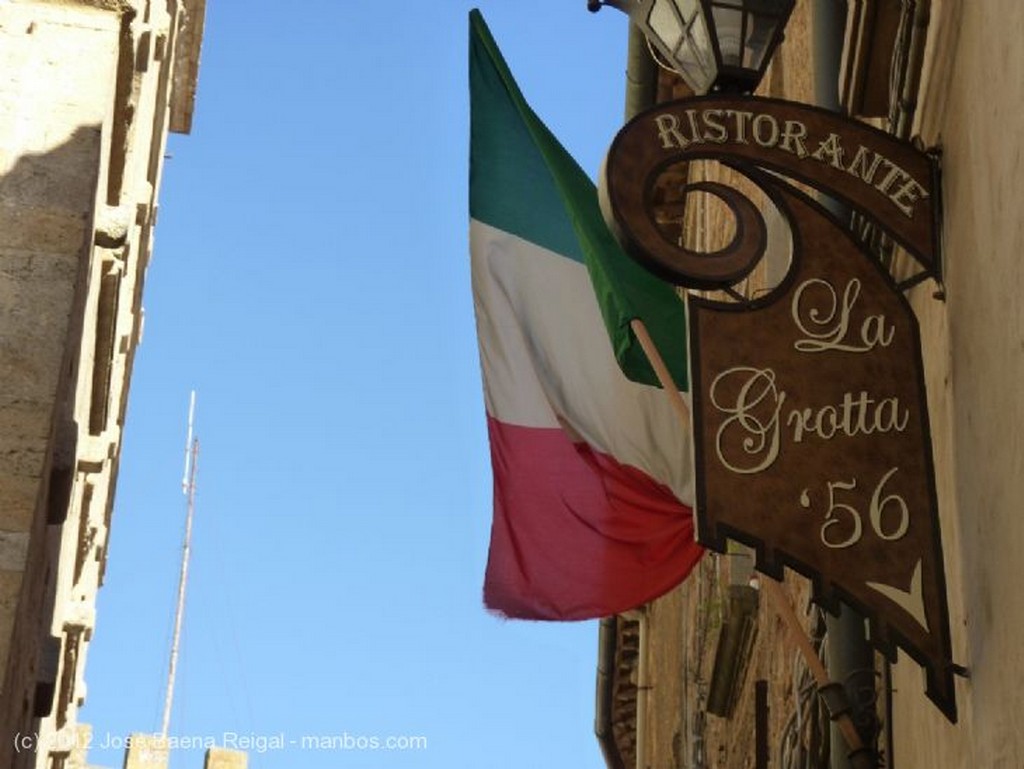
(666, 24)
(760, 31)
(698, 79)
(677, 28)
(688, 9)
(701, 44)
(695, 57)
(729, 27)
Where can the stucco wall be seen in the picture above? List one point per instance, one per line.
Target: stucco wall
(973, 108)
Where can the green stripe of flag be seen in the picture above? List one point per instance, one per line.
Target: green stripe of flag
(524, 182)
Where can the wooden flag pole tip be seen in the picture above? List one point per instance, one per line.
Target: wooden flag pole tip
(661, 371)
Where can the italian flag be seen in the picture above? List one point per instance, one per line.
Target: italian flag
(592, 470)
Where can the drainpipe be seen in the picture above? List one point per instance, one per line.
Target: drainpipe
(850, 657)
(643, 693)
(607, 640)
(641, 91)
(641, 74)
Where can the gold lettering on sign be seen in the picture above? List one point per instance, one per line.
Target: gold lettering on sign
(742, 119)
(766, 130)
(668, 132)
(823, 317)
(844, 523)
(748, 440)
(860, 166)
(715, 130)
(862, 415)
(749, 437)
(753, 421)
(793, 136)
(830, 151)
(730, 126)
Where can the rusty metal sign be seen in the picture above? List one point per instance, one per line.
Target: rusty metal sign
(810, 417)
(812, 439)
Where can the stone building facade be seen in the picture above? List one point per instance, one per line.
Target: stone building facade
(90, 89)
(944, 73)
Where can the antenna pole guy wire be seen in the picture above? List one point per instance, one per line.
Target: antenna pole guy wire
(188, 487)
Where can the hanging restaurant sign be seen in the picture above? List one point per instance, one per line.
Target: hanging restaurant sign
(811, 428)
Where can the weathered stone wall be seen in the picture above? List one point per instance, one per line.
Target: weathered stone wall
(84, 107)
(47, 187)
(52, 112)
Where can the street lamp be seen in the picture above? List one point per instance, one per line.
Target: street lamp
(714, 45)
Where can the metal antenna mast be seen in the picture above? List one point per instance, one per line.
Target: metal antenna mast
(188, 488)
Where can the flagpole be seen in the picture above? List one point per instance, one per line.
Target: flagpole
(781, 604)
(661, 371)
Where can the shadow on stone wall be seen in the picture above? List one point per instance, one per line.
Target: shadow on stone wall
(47, 204)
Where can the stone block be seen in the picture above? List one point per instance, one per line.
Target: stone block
(17, 500)
(222, 758)
(10, 588)
(13, 550)
(146, 751)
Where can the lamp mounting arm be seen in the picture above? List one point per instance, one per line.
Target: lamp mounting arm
(626, 6)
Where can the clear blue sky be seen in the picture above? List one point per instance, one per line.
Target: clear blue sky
(310, 280)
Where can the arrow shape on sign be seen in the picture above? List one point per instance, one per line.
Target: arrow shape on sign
(911, 601)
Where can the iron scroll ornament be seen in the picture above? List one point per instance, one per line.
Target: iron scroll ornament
(670, 260)
(812, 440)
(890, 182)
